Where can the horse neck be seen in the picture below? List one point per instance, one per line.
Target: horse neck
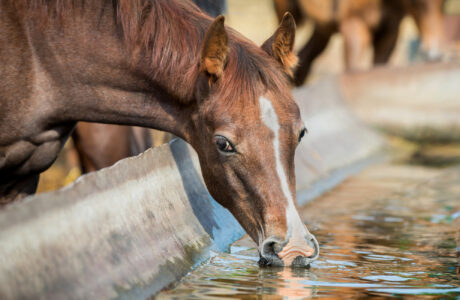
(101, 79)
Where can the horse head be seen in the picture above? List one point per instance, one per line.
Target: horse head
(246, 130)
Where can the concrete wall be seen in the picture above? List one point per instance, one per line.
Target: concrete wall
(421, 102)
(337, 144)
(130, 230)
(456, 224)
(126, 230)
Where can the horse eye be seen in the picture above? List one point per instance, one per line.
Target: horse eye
(302, 133)
(223, 144)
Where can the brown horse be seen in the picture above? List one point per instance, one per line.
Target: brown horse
(363, 23)
(164, 65)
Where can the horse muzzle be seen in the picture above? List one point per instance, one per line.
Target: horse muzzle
(297, 252)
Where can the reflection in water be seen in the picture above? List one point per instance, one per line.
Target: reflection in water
(387, 232)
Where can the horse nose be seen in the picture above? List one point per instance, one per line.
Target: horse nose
(300, 252)
(293, 253)
(268, 254)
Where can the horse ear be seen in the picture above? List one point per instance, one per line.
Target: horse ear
(215, 48)
(281, 43)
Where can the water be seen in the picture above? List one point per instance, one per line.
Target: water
(389, 232)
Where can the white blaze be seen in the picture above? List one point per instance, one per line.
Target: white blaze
(269, 117)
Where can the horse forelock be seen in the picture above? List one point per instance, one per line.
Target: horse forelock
(250, 73)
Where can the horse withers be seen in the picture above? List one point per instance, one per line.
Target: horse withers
(164, 65)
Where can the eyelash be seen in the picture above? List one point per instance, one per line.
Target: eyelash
(302, 134)
(224, 145)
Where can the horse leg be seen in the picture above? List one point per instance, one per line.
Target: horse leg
(357, 38)
(85, 162)
(384, 41)
(429, 18)
(18, 189)
(317, 43)
(385, 36)
(101, 145)
(140, 140)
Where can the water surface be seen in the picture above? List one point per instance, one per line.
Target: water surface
(390, 231)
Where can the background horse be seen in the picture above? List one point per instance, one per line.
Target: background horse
(163, 65)
(101, 145)
(364, 23)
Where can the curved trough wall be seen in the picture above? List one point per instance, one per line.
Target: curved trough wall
(421, 102)
(130, 230)
(456, 224)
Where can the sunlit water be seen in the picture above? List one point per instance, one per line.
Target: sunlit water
(390, 231)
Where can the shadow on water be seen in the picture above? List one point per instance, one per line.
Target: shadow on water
(388, 232)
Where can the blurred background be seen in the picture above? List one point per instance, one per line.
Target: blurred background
(257, 20)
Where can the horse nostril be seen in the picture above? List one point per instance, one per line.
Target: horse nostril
(269, 253)
(313, 243)
(271, 248)
(300, 261)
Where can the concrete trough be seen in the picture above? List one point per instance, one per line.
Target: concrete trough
(132, 229)
(420, 102)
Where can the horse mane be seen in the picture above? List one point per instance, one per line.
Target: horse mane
(166, 36)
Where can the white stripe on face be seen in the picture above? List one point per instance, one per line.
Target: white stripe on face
(270, 119)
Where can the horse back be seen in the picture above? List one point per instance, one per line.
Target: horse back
(334, 11)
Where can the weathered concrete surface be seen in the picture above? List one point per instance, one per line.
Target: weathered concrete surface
(457, 225)
(130, 230)
(421, 102)
(337, 143)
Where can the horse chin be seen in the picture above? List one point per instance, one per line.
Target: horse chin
(270, 261)
(276, 262)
